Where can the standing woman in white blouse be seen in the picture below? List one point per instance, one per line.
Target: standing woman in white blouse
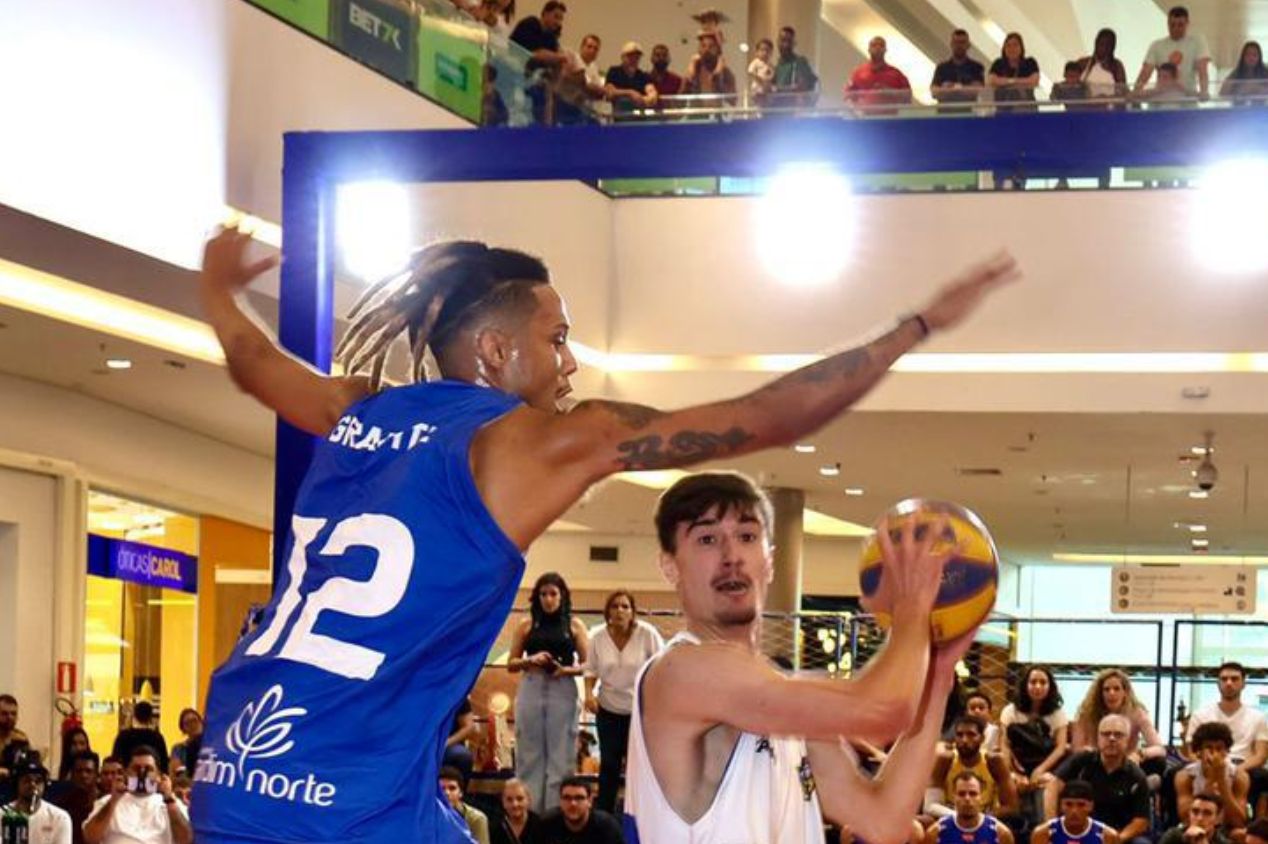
(618, 649)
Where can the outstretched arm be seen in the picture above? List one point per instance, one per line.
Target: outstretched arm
(610, 437)
(880, 809)
(295, 391)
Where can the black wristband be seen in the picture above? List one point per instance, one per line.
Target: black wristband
(925, 331)
(167, 801)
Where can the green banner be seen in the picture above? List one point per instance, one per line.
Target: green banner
(312, 16)
(451, 64)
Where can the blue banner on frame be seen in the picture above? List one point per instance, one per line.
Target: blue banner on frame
(140, 563)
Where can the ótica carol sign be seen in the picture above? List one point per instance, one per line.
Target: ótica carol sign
(140, 563)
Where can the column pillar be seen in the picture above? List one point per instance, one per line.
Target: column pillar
(785, 590)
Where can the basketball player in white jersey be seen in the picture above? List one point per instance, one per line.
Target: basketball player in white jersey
(723, 748)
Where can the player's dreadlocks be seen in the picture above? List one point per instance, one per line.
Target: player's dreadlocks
(444, 287)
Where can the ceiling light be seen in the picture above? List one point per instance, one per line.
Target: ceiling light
(1200, 450)
(373, 228)
(830, 470)
(804, 448)
(1197, 529)
(804, 223)
(118, 363)
(260, 230)
(78, 304)
(854, 491)
(1201, 543)
(1199, 493)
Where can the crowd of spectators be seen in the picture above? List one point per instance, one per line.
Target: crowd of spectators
(571, 86)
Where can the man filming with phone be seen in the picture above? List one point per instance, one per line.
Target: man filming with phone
(140, 808)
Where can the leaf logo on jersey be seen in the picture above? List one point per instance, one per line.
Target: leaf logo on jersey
(262, 730)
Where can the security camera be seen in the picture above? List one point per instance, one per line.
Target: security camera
(1206, 475)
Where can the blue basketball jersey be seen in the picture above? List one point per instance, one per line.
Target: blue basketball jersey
(328, 722)
(950, 832)
(1094, 834)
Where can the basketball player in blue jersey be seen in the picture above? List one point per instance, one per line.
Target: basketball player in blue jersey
(1075, 824)
(328, 722)
(969, 824)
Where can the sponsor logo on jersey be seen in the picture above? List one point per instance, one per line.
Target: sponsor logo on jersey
(262, 731)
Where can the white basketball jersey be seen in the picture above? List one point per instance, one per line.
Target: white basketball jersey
(767, 794)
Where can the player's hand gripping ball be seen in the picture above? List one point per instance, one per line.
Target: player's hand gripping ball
(971, 575)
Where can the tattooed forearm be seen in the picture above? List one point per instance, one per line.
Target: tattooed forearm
(683, 448)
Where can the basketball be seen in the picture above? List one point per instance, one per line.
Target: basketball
(970, 578)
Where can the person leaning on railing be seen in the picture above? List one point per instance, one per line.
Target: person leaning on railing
(1248, 83)
(1014, 75)
(1102, 73)
(876, 82)
(960, 78)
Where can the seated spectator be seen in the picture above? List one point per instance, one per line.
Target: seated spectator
(1071, 87)
(576, 821)
(453, 784)
(112, 771)
(540, 36)
(795, 84)
(1034, 733)
(628, 85)
(142, 733)
(1120, 790)
(1014, 75)
(978, 704)
(1169, 88)
(74, 742)
(1249, 80)
(182, 787)
(44, 822)
(457, 751)
(9, 731)
(761, 73)
(1075, 824)
(1102, 73)
(996, 792)
(77, 793)
(1111, 694)
(186, 752)
(1203, 824)
(1186, 52)
(959, 78)
(17, 750)
(141, 807)
(969, 822)
(1249, 750)
(1257, 831)
(666, 81)
(1214, 773)
(708, 73)
(876, 82)
(518, 824)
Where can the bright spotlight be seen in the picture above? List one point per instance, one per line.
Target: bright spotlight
(373, 228)
(1229, 226)
(805, 224)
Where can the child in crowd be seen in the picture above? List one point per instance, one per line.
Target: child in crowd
(761, 73)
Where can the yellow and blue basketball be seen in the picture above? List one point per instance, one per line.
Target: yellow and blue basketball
(971, 576)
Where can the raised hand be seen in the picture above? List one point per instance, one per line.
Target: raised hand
(911, 573)
(961, 296)
(225, 267)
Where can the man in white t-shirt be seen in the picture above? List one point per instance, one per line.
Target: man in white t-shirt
(1187, 51)
(45, 823)
(716, 750)
(141, 809)
(1248, 725)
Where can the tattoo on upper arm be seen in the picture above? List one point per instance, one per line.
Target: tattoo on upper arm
(634, 416)
(653, 452)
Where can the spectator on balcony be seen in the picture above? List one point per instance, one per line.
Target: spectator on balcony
(1014, 75)
(618, 650)
(186, 752)
(452, 783)
(708, 73)
(1214, 773)
(1203, 823)
(978, 704)
(518, 824)
(74, 742)
(666, 81)
(1034, 732)
(1249, 750)
(540, 36)
(1120, 790)
(996, 792)
(972, 820)
(795, 82)
(628, 86)
(1249, 80)
(1075, 824)
(1187, 51)
(142, 733)
(1071, 87)
(550, 648)
(1111, 694)
(961, 77)
(761, 73)
(1102, 73)
(876, 82)
(582, 91)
